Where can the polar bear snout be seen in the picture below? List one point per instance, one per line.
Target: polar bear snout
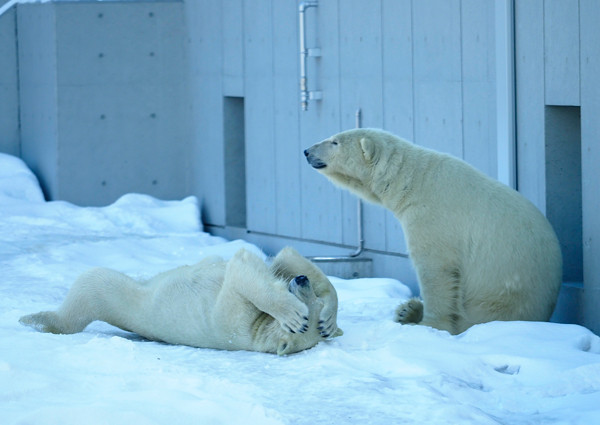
(301, 280)
(313, 160)
(300, 286)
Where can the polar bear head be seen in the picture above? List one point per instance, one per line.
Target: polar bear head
(354, 159)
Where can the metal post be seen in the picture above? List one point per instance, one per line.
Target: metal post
(304, 93)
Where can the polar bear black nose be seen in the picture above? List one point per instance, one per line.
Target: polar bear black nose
(305, 152)
(301, 280)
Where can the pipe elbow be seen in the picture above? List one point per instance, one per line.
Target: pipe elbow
(305, 5)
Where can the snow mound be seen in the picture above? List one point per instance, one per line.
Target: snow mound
(17, 182)
(378, 372)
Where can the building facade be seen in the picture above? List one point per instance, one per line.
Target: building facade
(205, 97)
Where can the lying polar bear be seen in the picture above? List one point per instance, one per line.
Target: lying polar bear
(242, 304)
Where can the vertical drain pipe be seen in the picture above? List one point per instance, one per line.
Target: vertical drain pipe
(305, 95)
(361, 241)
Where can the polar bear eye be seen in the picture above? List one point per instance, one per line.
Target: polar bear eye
(334, 143)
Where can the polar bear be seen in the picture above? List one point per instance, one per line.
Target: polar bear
(242, 304)
(481, 251)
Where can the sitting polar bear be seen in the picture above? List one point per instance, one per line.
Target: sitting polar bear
(481, 251)
(242, 304)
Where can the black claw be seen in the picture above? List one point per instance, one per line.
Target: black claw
(305, 318)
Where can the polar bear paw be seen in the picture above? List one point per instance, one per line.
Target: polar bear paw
(294, 319)
(45, 321)
(409, 312)
(327, 321)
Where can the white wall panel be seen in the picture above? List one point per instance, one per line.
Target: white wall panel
(438, 75)
(478, 86)
(260, 103)
(529, 27)
(233, 47)
(288, 156)
(362, 87)
(561, 48)
(590, 162)
(321, 201)
(398, 98)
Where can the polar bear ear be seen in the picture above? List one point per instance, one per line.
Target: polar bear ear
(368, 148)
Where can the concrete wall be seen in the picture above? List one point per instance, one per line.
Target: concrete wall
(104, 99)
(9, 87)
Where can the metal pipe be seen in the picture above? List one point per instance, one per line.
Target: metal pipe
(361, 241)
(505, 92)
(304, 94)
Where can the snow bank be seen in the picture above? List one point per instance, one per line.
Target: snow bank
(378, 372)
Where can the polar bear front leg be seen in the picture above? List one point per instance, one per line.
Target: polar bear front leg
(250, 278)
(440, 291)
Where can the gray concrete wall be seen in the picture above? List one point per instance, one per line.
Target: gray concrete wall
(104, 98)
(9, 87)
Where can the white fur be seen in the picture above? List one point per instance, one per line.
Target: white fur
(481, 251)
(238, 305)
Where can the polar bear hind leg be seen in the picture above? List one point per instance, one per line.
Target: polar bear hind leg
(98, 294)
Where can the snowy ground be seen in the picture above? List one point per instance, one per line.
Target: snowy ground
(378, 372)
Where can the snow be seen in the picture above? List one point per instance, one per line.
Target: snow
(10, 3)
(378, 372)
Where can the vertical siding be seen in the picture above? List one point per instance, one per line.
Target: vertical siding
(288, 153)
(260, 142)
(321, 201)
(233, 47)
(590, 163)
(561, 46)
(478, 86)
(361, 87)
(420, 69)
(438, 75)
(397, 68)
(529, 27)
